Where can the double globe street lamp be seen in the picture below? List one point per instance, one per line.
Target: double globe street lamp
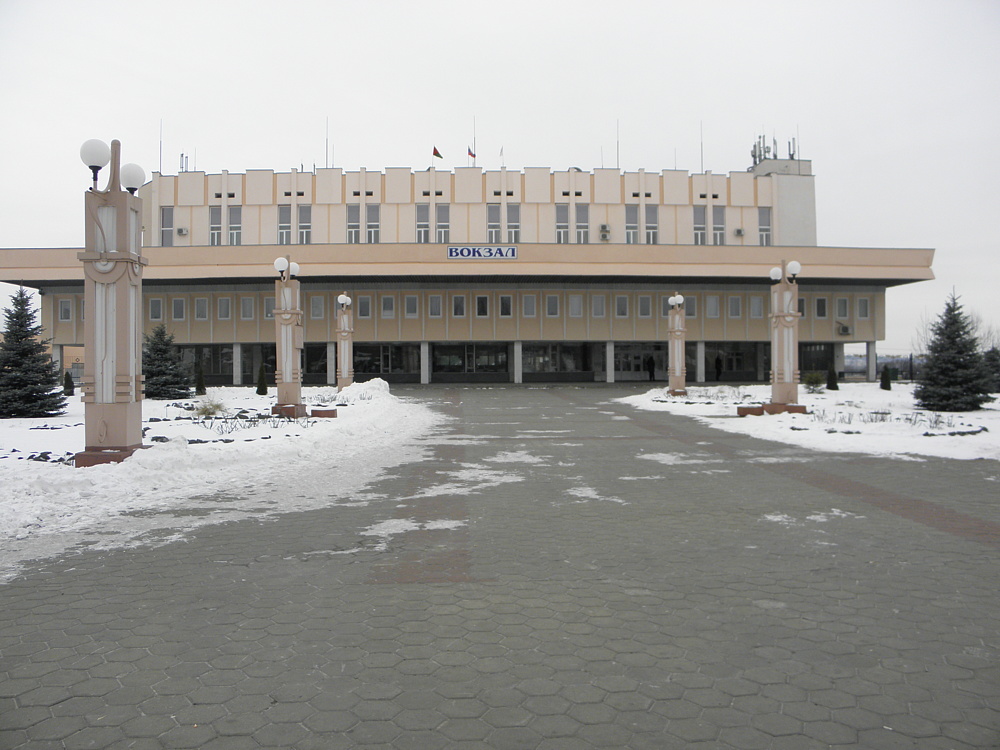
(112, 265)
(677, 380)
(785, 337)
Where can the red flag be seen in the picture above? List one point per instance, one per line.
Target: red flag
(437, 153)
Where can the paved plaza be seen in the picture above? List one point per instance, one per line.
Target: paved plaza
(560, 572)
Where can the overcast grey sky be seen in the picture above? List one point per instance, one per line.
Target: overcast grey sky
(897, 103)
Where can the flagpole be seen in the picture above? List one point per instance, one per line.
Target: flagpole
(474, 152)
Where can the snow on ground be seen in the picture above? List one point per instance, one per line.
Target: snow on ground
(858, 418)
(196, 471)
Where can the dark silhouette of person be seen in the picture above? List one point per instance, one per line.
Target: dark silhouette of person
(651, 367)
(718, 367)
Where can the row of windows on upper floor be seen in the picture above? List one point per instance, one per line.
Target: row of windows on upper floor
(365, 306)
(498, 225)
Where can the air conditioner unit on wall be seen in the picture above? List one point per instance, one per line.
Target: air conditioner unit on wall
(843, 329)
(182, 231)
(739, 231)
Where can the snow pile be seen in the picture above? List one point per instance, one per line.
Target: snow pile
(858, 418)
(196, 470)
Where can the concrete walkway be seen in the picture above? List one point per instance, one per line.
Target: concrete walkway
(562, 572)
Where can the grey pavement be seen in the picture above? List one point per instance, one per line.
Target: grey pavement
(561, 572)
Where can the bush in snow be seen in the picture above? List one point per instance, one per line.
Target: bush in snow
(813, 381)
(69, 387)
(166, 376)
(261, 381)
(30, 383)
(199, 378)
(954, 377)
(831, 379)
(885, 383)
(992, 360)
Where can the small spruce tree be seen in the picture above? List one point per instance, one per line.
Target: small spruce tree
(992, 360)
(166, 376)
(69, 387)
(199, 378)
(30, 384)
(831, 379)
(885, 382)
(261, 381)
(954, 376)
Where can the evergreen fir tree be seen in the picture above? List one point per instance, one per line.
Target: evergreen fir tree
(992, 360)
(199, 378)
(166, 376)
(954, 376)
(831, 379)
(30, 383)
(885, 383)
(69, 387)
(261, 381)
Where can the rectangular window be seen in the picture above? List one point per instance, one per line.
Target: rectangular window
(664, 307)
(442, 216)
(562, 223)
(268, 308)
(764, 225)
(645, 306)
(166, 226)
(364, 307)
(410, 306)
(513, 223)
(598, 306)
(621, 305)
(388, 306)
(317, 306)
(863, 308)
(482, 306)
(712, 306)
(582, 223)
(458, 306)
(690, 307)
(353, 224)
(305, 225)
(284, 225)
(201, 308)
(178, 308)
(843, 308)
(574, 303)
(155, 309)
(423, 223)
(802, 306)
(528, 306)
(820, 308)
(506, 306)
(434, 305)
(552, 305)
(652, 226)
(494, 232)
(66, 309)
(756, 307)
(223, 307)
(215, 225)
(631, 224)
(246, 308)
(699, 225)
(372, 223)
(718, 225)
(236, 225)
(735, 307)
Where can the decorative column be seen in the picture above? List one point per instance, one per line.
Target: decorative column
(289, 339)
(677, 384)
(345, 343)
(112, 267)
(785, 334)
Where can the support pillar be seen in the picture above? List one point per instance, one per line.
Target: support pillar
(784, 337)
(871, 362)
(518, 362)
(237, 364)
(425, 362)
(609, 361)
(677, 378)
(345, 343)
(699, 358)
(331, 363)
(289, 338)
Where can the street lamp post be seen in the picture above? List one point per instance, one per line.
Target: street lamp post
(288, 338)
(785, 334)
(345, 343)
(677, 385)
(112, 263)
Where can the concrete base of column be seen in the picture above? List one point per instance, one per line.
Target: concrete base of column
(96, 456)
(292, 411)
(760, 411)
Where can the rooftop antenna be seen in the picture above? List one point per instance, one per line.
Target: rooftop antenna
(326, 145)
(701, 128)
(161, 145)
(618, 145)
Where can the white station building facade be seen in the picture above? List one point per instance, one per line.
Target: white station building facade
(473, 275)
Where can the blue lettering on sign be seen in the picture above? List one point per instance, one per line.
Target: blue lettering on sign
(500, 253)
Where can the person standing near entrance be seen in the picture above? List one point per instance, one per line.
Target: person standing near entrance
(651, 367)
